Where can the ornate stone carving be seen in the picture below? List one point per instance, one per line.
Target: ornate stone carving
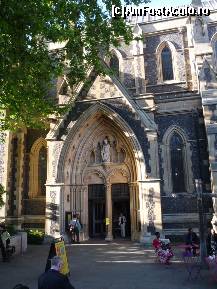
(116, 171)
(52, 227)
(53, 213)
(199, 27)
(150, 205)
(53, 196)
(56, 153)
(105, 151)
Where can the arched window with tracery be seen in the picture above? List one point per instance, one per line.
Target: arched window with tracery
(167, 64)
(177, 164)
(42, 171)
(38, 168)
(114, 64)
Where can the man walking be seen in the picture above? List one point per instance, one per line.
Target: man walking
(53, 279)
(122, 224)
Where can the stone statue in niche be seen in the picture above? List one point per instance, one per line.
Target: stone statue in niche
(199, 32)
(105, 151)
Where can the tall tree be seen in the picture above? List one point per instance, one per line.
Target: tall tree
(27, 67)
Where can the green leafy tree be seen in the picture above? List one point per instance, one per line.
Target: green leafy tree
(2, 192)
(27, 66)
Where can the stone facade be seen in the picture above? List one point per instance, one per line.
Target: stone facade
(139, 114)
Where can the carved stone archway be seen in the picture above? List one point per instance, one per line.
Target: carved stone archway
(77, 161)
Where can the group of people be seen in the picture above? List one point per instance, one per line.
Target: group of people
(163, 250)
(75, 227)
(192, 243)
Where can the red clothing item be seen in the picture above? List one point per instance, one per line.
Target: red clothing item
(156, 243)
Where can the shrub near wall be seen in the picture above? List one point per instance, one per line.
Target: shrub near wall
(35, 237)
(11, 230)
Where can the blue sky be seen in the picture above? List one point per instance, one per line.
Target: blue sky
(168, 3)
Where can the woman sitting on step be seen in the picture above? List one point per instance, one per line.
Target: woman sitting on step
(163, 251)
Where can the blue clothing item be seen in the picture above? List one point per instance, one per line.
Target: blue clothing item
(76, 224)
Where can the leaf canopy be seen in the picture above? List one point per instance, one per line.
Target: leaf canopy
(27, 66)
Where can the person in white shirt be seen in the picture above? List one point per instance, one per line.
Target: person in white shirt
(122, 224)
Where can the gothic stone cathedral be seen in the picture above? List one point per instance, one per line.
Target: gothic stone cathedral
(134, 142)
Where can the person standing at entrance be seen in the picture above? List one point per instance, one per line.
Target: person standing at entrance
(74, 228)
(122, 224)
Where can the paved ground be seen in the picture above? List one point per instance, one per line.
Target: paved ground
(122, 265)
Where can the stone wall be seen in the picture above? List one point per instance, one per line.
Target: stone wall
(195, 133)
(151, 64)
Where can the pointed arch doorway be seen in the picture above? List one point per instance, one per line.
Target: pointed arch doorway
(81, 165)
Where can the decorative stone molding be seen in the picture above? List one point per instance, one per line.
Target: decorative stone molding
(115, 171)
(94, 171)
(153, 152)
(120, 124)
(54, 215)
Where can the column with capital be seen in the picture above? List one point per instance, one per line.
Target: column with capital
(133, 210)
(84, 213)
(109, 236)
(132, 206)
